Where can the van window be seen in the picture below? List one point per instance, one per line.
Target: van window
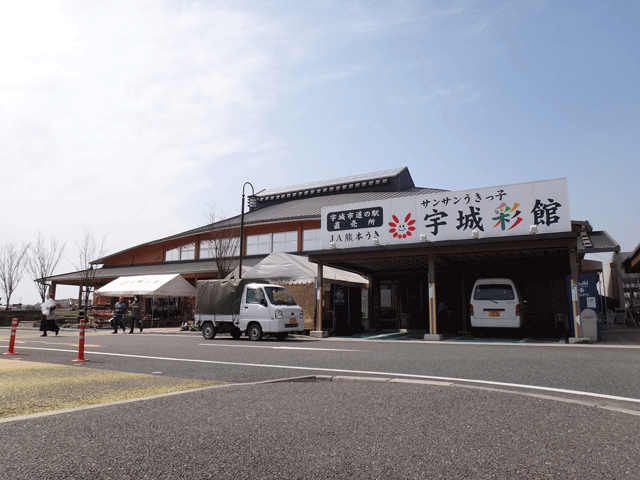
(494, 292)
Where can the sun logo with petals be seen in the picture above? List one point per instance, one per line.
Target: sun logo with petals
(402, 229)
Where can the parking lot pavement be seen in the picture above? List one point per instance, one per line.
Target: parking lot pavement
(628, 336)
(621, 336)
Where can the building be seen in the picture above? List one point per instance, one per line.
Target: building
(415, 245)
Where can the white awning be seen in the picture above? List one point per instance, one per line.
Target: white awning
(281, 267)
(148, 286)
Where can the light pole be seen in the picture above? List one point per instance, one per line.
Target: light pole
(253, 193)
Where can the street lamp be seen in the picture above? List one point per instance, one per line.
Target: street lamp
(253, 193)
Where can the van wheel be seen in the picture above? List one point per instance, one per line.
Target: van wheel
(282, 335)
(254, 332)
(236, 333)
(208, 331)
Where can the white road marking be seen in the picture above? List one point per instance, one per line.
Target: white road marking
(359, 372)
(278, 348)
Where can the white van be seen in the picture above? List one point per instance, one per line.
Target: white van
(495, 302)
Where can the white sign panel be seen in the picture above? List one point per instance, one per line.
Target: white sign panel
(501, 211)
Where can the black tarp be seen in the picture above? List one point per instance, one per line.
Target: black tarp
(220, 297)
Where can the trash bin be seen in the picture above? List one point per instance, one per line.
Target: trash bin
(589, 321)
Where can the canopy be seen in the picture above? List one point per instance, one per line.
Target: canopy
(281, 267)
(234, 273)
(171, 285)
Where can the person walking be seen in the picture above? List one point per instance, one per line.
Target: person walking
(186, 310)
(48, 320)
(136, 315)
(119, 309)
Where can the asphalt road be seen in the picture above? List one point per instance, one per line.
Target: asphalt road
(607, 370)
(466, 414)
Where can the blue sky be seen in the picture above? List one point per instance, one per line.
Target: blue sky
(130, 118)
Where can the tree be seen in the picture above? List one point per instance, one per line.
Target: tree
(222, 244)
(88, 251)
(42, 260)
(12, 259)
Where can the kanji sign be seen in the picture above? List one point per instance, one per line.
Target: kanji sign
(354, 219)
(487, 212)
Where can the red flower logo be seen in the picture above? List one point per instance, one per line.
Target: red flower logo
(402, 229)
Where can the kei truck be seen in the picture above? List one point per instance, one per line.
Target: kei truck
(246, 307)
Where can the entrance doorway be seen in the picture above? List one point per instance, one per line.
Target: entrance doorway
(414, 302)
(389, 305)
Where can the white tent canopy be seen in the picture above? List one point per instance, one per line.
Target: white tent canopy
(234, 272)
(281, 267)
(171, 285)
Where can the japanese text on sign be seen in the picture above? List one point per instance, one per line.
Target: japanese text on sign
(355, 219)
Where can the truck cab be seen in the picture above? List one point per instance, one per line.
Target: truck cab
(269, 309)
(254, 309)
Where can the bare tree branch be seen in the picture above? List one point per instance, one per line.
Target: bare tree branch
(42, 260)
(88, 251)
(222, 245)
(12, 259)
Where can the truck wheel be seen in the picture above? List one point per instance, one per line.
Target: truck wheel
(208, 331)
(236, 333)
(282, 335)
(254, 332)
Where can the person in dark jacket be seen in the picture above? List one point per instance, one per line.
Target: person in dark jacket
(136, 314)
(119, 309)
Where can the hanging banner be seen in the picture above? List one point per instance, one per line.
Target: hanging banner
(501, 211)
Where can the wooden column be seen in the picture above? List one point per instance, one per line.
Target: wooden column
(464, 301)
(433, 327)
(319, 295)
(374, 304)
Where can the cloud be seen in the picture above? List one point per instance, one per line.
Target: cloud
(458, 93)
(112, 111)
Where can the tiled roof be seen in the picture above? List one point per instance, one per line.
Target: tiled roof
(319, 184)
(597, 242)
(306, 208)
(184, 268)
(305, 200)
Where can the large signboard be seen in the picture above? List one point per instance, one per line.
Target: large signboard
(501, 211)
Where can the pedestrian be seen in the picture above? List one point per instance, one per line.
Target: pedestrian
(136, 315)
(119, 309)
(186, 311)
(48, 320)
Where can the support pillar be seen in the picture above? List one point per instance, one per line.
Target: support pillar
(318, 333)
(464, 301)
(374, 303)
(433, 324)
(577, 327)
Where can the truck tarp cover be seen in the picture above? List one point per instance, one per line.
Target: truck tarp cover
(220, 297)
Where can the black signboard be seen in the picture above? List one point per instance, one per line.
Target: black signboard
(370, 217)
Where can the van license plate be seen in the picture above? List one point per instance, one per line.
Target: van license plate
(494, 313)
